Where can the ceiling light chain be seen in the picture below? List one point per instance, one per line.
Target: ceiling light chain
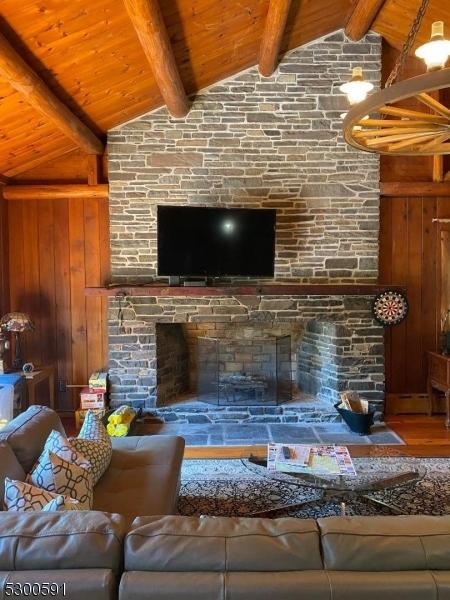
(401, 59)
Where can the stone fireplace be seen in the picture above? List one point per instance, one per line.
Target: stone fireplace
(252, 142)
(335, 344)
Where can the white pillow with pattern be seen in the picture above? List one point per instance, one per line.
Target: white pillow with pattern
(94, 443)
(72, 480)
(23, 497)
(41, 474)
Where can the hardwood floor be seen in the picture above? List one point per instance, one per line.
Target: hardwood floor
(420, 429)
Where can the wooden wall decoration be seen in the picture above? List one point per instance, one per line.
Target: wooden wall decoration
(56, 249)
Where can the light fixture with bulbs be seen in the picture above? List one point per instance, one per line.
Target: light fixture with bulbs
(377, 123)
(357, 88)
(435, 53)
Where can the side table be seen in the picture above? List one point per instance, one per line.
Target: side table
(34, 378)
(439, 379)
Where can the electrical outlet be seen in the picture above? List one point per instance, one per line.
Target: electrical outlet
(62, 385)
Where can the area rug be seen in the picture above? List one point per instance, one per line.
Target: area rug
(228, 488)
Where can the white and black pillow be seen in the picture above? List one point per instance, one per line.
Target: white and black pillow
(22, 497)
(94, 443)
(73, 481)
(61, 503)
(41, 474)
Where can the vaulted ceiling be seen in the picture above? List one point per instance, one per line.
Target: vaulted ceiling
(88, 53)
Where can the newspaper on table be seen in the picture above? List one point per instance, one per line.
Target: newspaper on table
(313, 459)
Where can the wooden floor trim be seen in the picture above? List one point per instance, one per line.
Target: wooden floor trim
(237, 452)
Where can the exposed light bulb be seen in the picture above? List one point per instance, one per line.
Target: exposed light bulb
(356, 89)
(435, 53)
(228, 226)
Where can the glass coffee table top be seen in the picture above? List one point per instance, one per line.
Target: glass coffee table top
(371, 476)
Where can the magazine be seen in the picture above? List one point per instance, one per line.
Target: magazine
(313, 459)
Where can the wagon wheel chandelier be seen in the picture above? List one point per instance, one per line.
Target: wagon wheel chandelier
(375, 124)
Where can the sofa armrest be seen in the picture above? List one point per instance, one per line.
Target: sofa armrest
(61, 540)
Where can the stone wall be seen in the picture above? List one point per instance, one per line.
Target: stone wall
(258, 142)
(133, 343)
(172, 362)
(334, 357)
(254, 143)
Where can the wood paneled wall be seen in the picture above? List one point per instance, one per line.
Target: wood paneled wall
(4, 266)
(56, 249)
(408, 255)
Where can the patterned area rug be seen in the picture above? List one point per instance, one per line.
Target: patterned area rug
(228, 488)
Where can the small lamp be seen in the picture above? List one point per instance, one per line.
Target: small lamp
(17, 323)
(357, 88)
(435, 53)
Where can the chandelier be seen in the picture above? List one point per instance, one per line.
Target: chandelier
(376, 123)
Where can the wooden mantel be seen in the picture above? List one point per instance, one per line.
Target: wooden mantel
(287, 289)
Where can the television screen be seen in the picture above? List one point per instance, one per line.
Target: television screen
(216, 242)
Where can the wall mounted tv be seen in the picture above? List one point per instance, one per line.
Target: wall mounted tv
(216, 242)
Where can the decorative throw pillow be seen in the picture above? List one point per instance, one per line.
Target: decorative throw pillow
(72, 480)
(42, 473)
(21, 496)
(60, 503)
(94, 443)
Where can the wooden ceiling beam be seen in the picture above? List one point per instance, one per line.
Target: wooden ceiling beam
(362, 17)
(148, 22)
(94, 169)
(55, 191)
(273, 35)
(25, 81)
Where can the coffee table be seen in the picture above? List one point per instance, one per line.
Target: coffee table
(369, 478)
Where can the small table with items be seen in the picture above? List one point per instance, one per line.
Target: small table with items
(34, 378)
(369, 478)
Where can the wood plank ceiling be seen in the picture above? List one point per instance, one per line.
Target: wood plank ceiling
(88, 54)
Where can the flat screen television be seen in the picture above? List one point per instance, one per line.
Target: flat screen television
(216, 242)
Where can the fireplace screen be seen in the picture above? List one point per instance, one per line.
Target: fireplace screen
(235, 372)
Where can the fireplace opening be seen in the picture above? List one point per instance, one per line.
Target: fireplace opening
(226, 364)
(244, 371)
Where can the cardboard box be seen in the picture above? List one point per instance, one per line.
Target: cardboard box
(91, 399)
(98, 381)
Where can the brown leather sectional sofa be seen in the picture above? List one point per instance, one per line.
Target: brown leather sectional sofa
(100, 555)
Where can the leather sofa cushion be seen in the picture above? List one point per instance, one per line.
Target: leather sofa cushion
(27, 433)
(9, 467)
(143, 477)
(222, 544)
(61, 540)
(406, 543)
(287, 585)
(397, 585)
(85, 584)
